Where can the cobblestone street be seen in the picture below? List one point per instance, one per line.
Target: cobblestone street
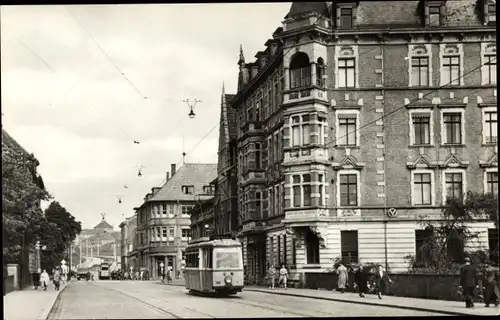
(149, 300)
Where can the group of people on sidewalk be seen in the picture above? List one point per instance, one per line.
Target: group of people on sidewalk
(43, 279)
(470, 281)
(362, 277)
(282, 279)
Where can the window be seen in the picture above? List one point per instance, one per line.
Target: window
(347, 72)
(348, 190)
(453, 184)
(451, 65)
(258, 157)
(171, 209)
(192, 258)
(171, 232)
(492, 13)
(421, 123)
(491, 182)
(164, 209)
(321, 131)
(434, 16)
(186, 233)
(301, 131)
(158, 234)
(300, 71)
(347, 130)
(490, 127)
(186, 209)
(209, 189)
(422, 188)
(312, 247)
(422, 238)
(279, 250)
(301, 187)
(346, 18)
(349, 246)
(420, 71)
(257, 111)
(320, 73)
(249, 112)
(188, 189)
(258, 204)
(452, 128)
(277, 203)
(490, 68)
(321, 189)
(456, 245)
(164, 232)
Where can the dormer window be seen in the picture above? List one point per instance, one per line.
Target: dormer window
(434, 17)
(345, 18)
(188, 189)
(492, 13)
(209, 189)
(434, 13)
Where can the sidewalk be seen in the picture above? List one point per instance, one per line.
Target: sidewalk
(30, 304)
(440, 306)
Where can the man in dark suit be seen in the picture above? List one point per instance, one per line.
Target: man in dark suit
(381, 280)
(361, 278)
(468, 282)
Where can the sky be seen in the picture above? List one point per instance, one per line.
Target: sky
(65, 99)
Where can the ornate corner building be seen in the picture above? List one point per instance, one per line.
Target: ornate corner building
(357, 119)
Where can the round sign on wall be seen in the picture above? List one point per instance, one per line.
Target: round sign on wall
(392, 212)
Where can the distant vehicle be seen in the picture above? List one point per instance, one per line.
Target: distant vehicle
(104, 271)
(214, 265)
(82, 273)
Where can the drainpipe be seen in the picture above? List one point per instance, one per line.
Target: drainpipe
(385, 166)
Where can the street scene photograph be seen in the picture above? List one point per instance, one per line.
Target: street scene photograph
(250, 160)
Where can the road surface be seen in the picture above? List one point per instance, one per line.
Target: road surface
(149, 300)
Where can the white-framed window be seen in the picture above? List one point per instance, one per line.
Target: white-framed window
(348, 188)
(171, 210)
(420, 65)
(322, 133)
(186, 209)
(300, 70)
(171, 232)
(158, 234)
(164, 209)
(491, 181)
(488, 63)
(188, 189)
(301, 130)
(346, 67)
(422, 187)
(301, 190)
(453, 126)
(321, 190)
(421, 127)
(186, 233)
(489, 125)
(451, 64)
(164, 234)
(347, 127)
(454, 183)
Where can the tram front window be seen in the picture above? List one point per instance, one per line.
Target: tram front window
(227, 258)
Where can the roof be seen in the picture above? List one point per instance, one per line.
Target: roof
(11, 142)
(299, 8)
(103, 225)
(190, 174)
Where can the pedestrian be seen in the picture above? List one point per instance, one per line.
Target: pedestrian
(271, 273)
(361, 278)
(44, 279)
(36, 278)
(283, 276)
(342, 277)
(491, 291)
(468, 282)
(169, 275)
(381, 280)
(56, 278)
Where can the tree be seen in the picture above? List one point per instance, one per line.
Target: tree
(56, 231)
(22, 192)
(443, 250)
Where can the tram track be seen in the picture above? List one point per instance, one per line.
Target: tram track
(161, 310)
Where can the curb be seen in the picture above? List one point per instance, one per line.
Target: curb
(46, 311)
(455, 313)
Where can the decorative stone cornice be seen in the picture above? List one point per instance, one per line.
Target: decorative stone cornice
(453, 162)
(491, 163)
(349, 162)
(421, 162)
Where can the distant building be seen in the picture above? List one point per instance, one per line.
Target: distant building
(163, 222)
(100, 242)
(127, 240)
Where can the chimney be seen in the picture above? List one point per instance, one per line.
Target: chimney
(168, 175)
(172, 169)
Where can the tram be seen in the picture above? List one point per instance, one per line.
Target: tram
(214, 265)
(104, 271)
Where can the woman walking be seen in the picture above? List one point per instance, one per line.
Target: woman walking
(44, 279)
(342, 277)
(491, 292)
(271, 273)
(283, 276)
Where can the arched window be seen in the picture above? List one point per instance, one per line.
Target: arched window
(300, 71)
(320, 73)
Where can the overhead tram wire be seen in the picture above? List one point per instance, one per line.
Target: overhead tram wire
(107, 56)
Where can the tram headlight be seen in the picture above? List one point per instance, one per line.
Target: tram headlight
(228, 279)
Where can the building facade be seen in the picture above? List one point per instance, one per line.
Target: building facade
(163, 221)
(358, 119)
(127, 229)
(101, 242)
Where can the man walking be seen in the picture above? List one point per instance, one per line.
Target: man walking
(381, 280)
(468, 282)
(56, 277)
(283, 276)
(361, 278)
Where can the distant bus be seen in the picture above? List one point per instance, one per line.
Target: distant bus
(104, 271)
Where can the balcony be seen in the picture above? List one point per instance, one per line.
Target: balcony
(305, 93)
(252, 127)
(295, 156)
(306, 215)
